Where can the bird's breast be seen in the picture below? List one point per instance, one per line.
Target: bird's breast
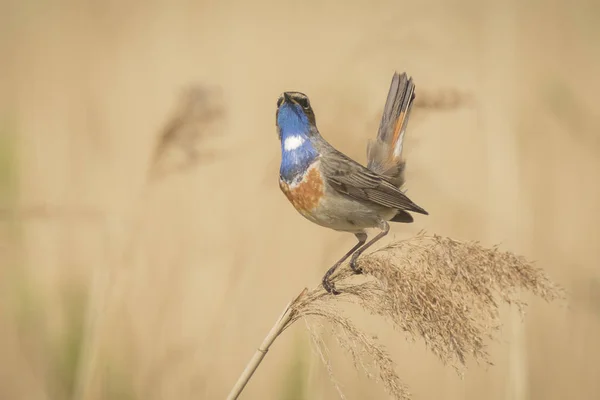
(306, 192)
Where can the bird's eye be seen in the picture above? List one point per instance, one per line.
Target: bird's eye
(304, 103)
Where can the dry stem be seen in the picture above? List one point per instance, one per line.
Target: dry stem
(282, 323)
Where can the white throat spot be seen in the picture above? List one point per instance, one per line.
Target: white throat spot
(293, 142)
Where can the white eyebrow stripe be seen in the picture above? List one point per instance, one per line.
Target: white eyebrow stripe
(293, 142)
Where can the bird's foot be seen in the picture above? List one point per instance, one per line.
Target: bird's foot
(355, 268)
(329, 286)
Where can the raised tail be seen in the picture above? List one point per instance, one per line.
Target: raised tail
(384, 155)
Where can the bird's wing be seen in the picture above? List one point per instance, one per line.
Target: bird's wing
(352, 179)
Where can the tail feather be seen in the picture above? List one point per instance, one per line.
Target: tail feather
(384, 154)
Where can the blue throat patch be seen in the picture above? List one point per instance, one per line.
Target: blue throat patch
(293, 122)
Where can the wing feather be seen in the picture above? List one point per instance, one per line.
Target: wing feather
(352, 179)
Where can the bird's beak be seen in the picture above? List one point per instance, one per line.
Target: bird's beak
(287, 98)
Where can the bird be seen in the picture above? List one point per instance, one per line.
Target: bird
(334, 191)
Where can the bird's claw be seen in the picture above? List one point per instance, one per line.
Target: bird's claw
(355, 268)
(329, 286)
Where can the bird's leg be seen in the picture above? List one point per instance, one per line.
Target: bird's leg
(327, 284)
(384, 231)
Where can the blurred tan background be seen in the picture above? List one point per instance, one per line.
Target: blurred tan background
(114, 289)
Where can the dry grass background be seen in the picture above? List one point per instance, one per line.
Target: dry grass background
(168, 288)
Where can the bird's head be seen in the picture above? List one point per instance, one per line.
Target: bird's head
(294, 115)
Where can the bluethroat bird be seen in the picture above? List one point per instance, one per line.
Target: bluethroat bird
(334, 191)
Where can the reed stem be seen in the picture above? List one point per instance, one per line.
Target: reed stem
(282, 323)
